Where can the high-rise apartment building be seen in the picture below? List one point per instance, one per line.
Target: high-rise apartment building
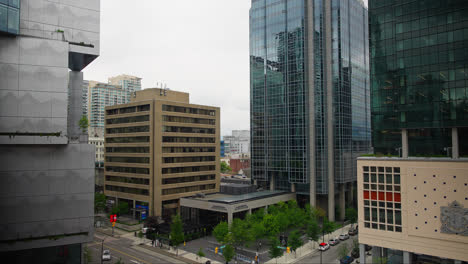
(413, 207)
(128, 83)
(100, 96)
(47, 168)
(310, 115)
(238, 143)
(159, 148)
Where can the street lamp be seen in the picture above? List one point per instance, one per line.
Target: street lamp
(102, 248)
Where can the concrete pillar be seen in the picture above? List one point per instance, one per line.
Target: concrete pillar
(293, 187)
(229, 218)
(342, 201)
(272, 183)
(351, 194)
(266, 209)
(75, 111)
(250, 210)
(134, 209)
(406, 257)
(362, 254)
(404, 143)
(455, 151)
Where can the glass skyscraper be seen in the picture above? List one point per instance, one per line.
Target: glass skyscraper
(310, 115)
(419, 72)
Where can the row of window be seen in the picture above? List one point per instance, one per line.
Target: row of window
(127, 180)
(187, 140)
(188, 110)
(128, 139)
(199, 130)
(191, 120)
(188, 169)
(130, 109)
(188, 189)
(127, 170)
(127, 149)
(187, 149)
(127, 190)
(134, 129)
(189, 179)
(130, 119)
(188, 159)
(128, 159)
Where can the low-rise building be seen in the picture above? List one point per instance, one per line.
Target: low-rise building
(159, 148)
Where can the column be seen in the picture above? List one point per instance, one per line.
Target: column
(272, 183)
(229, 217)
(75, 112)
(404, 143)
(362, 254)
(250, 210)
(342, 201)
(134, 209)
(293, 187)
(406, 257)
(351, 194)
(455, 152)
(266, 209)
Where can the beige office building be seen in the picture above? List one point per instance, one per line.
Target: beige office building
(159, 148)
(414, 210)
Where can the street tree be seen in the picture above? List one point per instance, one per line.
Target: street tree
(313, 230)
(83, 123)
(225, 167)
(200, 253)
(228, 252)
(352, 215)
(257, 230)
(295, 241)
(177, 232)
(327, 226)
(275, 252)
(240, 233)
(271, 225)
(99, 202)
(220, 231)
(343, 251)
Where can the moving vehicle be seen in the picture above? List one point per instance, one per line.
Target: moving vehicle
(344, 236)
(106, 255)
(323, 246)
(333, 241)
(346, 260)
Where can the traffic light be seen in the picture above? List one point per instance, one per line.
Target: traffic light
(115, 218)
(216, 250)
(288, 250)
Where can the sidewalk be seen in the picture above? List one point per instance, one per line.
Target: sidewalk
(307, 249)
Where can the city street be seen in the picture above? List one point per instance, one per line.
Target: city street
(123, 248)
(329, 256)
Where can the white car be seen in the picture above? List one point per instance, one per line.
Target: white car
(323, 246)
(333, 241)
(344, 236)
(106, 255)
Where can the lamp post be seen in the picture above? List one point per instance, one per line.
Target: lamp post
(102, 248)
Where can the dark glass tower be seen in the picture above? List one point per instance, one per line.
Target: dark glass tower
(419, 73)
(310, 115)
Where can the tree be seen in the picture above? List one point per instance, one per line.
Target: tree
(271, 225)
(274, 251)
(228, 252)
(295, 241)
(257, 230)
(220, 231)
(88, 258)
(225, 167)
(200, 253)
(343, 251)
(313, 230)
(351, 215)
(83, 123)
(123, 208)
(327, 226)
(99, 202)
(177, 232)
(240, 233)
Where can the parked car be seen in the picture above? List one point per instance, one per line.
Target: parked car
(346, 260)
(333, 241)
(352, 232)
(344, 236)
(355, 253)
(106, 255)
(323, 246)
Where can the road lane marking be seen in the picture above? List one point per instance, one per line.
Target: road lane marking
(128, 255)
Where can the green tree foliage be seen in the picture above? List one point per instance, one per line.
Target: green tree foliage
(177, 232)
(343, 251)
(83, 123)
(225, 167)
(327, 226)
(271, 225)
(295, 241)
(257, 230)
(220, 231)
(228, 252)
(351, 214)
(123, 208)
(274, 251)
(313, 230)
(99, 202)
(240, 233)
(282, 221)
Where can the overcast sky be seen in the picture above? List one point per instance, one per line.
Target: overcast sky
(200, 47)
(195, 46)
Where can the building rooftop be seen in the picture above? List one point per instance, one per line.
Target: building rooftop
(232, 199)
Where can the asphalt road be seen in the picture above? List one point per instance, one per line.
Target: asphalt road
(331, 255)
(120, 248)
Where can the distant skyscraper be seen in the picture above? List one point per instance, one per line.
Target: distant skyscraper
(310, 114)
(237, 143)
(100, 96)
(128, 83)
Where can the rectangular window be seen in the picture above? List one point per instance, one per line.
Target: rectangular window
(3, 18)
(13, 20)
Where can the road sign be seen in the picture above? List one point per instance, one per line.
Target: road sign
(113, 224)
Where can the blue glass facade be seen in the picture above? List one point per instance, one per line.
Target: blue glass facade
(282, 88)
(9, 16)
(222, 149)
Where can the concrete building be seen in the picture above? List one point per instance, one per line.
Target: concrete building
(310, 111)
(128, 83)
(47, 168)
(414, 210)
(238, 143)
(100, 96)
(159, 148)
(98, 142)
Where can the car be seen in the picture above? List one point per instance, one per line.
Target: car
(355, 253)
(344, 236)
(346, 260)
(352, 232)
(323, 246)
(106, 255)
(333, 241)
(368, 248)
